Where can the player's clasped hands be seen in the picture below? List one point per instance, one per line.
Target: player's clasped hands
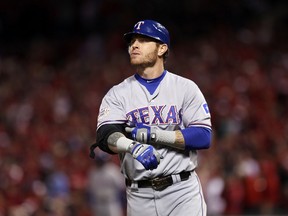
(146, 155)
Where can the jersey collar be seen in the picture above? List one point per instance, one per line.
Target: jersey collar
(150, 84)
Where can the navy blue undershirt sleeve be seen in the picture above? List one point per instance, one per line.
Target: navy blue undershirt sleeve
(197, 138)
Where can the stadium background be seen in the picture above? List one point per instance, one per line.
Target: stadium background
(58, 59)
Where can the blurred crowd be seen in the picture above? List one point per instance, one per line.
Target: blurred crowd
(51, 89)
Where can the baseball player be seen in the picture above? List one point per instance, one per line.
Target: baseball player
(156, 121)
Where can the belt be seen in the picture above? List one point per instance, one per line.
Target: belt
(159, 183)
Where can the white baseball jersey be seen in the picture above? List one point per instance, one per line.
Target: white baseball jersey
(176, 103)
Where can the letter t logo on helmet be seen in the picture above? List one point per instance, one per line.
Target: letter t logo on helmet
(137, 25)
(149, 28)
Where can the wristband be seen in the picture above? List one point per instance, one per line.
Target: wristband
(123, 144)
(163, 137)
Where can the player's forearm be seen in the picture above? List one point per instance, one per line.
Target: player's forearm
(173, 139)
(189, 138)
(118, 143)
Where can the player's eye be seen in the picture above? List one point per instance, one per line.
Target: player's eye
(140, 40)
(132, 41)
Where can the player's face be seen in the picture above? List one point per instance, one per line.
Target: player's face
(143, 51)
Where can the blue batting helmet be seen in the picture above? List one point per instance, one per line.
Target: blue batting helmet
(149, 28)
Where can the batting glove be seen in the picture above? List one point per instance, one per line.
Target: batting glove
(143, 133)
(146, 155)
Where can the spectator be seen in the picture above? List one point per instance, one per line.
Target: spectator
(106, 186)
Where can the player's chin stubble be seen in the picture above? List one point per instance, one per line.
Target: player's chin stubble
(148, 61)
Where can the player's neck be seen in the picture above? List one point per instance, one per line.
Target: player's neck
(151, 72)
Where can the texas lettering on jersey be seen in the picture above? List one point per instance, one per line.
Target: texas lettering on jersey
(155, 115)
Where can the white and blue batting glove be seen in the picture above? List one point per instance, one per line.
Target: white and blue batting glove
(143, 133)
(146, 155)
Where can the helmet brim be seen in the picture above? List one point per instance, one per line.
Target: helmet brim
(128, 37)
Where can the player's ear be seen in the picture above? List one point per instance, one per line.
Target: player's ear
(162, 49)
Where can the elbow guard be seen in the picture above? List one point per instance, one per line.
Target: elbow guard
(102, 135)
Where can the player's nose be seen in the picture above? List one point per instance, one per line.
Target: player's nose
(134, 43)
